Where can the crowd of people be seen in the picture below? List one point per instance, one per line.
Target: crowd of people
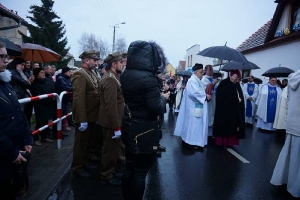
(108, 99)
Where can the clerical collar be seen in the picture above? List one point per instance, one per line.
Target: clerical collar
(271, 85)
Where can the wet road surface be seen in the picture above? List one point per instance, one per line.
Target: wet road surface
(213, 173)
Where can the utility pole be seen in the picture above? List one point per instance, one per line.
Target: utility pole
(115, 26)
(113, 47)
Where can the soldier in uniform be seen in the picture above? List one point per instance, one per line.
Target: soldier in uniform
(95, 143)
(110, 118)
(85, 111)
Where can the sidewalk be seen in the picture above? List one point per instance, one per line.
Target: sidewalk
(47, 167)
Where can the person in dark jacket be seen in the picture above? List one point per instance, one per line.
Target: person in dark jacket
(15, 133)
(229, 120)
(19, 81)
(142, 94)
(28, 106)
(63, 83)
(43, 108)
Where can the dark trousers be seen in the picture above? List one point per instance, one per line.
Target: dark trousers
(133, 180)
(28, 111)
(6, 191)
(96, 141)
(80, 148)
(43, 133)
(110, 153)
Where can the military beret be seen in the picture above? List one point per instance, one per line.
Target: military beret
(124, 55)
(197, 66)
(117, 56)
(98, 55)
(90, 54)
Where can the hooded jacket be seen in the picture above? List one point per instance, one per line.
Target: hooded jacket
(293, 113)
(15, 132)
(139, 82)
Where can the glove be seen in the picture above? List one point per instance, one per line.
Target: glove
(83, 126)
(117, 134)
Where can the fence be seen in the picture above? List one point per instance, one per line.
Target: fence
(58, 113)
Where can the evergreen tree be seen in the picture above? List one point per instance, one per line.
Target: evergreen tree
(49, 31)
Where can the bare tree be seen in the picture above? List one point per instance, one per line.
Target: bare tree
(121, 45)
(104, 49)
(88, 42)
(91, 42)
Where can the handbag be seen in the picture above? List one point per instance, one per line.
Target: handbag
(143, 136)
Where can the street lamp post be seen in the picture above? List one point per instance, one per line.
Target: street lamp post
(115, 26)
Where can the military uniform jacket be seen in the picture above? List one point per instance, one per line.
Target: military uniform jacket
(111, 101)
(85, 96)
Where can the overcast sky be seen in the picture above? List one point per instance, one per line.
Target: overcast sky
(175, 24)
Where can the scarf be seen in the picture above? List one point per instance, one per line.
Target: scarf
(25, 78)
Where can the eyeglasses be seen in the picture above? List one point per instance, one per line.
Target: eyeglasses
(4, 57)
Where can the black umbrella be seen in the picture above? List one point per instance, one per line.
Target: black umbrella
(11, 48)
(184, 73)
(278, 72)
(239, 66)
(256, 80)
(223, 52)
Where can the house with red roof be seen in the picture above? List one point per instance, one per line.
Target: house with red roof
(276, 43)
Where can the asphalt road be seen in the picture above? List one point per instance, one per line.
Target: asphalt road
(214, 173)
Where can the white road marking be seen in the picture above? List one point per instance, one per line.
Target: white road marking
(241, 158)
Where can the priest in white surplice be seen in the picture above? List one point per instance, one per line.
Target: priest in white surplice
(206, 80)
(267, 101)
(250, 91)
(192, 122)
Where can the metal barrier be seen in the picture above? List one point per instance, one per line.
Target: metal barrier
(58, 113)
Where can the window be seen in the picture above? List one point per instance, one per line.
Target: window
(245, 73)
(295, 14)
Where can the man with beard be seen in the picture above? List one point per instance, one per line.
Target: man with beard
(85, 111)
(110, 118)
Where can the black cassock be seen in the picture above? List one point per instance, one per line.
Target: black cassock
(230, 114)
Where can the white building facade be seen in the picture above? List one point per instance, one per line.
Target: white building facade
(192, 58)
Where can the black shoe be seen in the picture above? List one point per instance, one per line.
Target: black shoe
(64, 135)
(161, 148)
(158, 154)
(118, 175)
(111, 182)
(95, 159)
(84, 174)
(90, 168)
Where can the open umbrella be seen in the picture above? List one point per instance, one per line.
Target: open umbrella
(38, 53)
(184, 73)
(223, 52)
(256, 80)
(239, 66)
(11, 48)
(278, 72)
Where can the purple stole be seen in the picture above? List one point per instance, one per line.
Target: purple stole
(272, 101)
(250, 90)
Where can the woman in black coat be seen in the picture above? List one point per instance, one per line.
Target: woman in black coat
(43, 108)
(229, 120)
(19, 81)
(142, 94)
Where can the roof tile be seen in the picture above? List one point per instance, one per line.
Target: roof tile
(256, 39)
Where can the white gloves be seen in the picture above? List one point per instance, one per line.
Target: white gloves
(83, 126)
(117, 134)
